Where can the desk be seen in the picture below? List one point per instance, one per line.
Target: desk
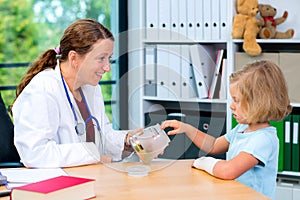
(167, 180)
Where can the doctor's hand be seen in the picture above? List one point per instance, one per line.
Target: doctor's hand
(129, 134)
(105, 159)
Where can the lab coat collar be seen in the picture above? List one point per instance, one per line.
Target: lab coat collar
(57, 67)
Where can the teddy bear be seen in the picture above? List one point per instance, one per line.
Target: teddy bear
(268, 30)
(246, 26)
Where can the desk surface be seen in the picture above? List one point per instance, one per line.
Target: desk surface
(167, 180)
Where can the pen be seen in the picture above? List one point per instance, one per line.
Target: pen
(5, 193)
(19, 182)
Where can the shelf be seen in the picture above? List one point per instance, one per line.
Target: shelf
(271, 41)
(288, 177)
(289, 174)
(184, 41)
(295, 104)
(193, 105)
(190, 100)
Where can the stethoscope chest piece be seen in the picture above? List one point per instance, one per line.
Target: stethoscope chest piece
(80, 128)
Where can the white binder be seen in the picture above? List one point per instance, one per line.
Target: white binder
(295, 131)
(223, 19)
(187, 83)
(207, 19)
(182, 19)
(203, 61)
(191, 19)
(215, 19)
(162, 71)
(152, 19)
(199, 19)
(150, 71)
(164, 19)
(174, 72)
(175, 19)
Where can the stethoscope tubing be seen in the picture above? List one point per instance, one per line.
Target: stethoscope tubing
(90, 117)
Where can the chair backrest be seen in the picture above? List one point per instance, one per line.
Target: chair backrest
(9, 156)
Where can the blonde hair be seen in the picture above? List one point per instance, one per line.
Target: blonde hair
(263, 91)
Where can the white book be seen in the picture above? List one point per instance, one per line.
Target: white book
(187, 81)
(223, 19)
(224, 78)
(175, 19)
(182, 20)
(21, 176)
(152, 19)
(191, 20)
(150, 70)
(215, 19)
(199, 19)
(174, 72)
(203, 62)
(207, 10)
(164, 19)
(162, 71)
(213, 93)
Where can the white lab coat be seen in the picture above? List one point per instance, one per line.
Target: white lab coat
(44, 125)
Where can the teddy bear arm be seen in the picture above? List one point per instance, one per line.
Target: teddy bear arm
(281, 19)
(268, 24)
(285, 14)
(260, 22)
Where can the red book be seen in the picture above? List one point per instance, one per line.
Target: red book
(61, 187)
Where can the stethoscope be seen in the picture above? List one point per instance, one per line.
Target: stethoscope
(80, 127)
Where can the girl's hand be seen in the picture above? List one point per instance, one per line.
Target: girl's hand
(178, 126)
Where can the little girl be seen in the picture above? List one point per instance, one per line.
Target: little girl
(259, 94)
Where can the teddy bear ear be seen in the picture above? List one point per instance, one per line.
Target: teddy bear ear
(260, 6)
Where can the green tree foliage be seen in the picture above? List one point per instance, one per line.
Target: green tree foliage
(18, 32)
(29, 27)
(58, 14)
(18, 40)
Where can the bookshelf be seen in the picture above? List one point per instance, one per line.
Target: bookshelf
(138, 40)
(178, 42)
(140, 104)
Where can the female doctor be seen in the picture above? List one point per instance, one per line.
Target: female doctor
(58, 113)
